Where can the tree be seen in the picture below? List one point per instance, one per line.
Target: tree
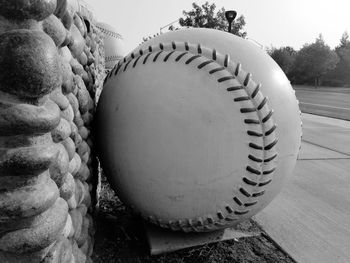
(284, 57)
(206, 16)
(313, 61)
(340, 75)
(344, 41)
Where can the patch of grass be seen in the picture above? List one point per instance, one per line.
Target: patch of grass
(120, 238)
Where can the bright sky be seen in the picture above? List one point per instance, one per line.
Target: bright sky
(269, 22)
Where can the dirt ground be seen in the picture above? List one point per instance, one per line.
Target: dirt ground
(120, 238)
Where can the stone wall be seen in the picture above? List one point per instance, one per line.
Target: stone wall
(51, 67)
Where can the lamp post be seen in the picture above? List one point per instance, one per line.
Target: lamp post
(230, 16)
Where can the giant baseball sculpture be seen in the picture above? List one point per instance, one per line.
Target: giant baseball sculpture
(113, 45)
(198, 129)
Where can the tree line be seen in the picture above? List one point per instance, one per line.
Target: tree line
(206, 16)
(316, 63)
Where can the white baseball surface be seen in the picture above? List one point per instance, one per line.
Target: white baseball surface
(198, 129)
(113, 45)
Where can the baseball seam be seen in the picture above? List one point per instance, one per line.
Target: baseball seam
(261, 128)
(110, 33)
(113, 58)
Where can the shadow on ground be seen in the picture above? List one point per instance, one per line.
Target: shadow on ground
(120, 238)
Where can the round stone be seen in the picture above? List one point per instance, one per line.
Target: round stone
(55, 29)
(32, 239)
(29, 64)
(27, 9)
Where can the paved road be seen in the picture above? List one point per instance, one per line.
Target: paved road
(310, 219)
(330, 102)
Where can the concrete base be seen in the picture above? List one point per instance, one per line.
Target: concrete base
(163, 241)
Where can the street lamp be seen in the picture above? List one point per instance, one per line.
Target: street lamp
(230, 16)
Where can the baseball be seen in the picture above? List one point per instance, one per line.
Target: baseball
(198, 129)
(113, 45)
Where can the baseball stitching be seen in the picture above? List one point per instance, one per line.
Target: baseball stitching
(110, 33)
(261, 128)
(113, 58)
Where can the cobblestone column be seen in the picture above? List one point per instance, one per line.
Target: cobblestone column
(51, 68)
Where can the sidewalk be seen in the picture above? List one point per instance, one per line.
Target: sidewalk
(310, 218)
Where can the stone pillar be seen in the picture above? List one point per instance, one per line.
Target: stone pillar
(50, 71)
